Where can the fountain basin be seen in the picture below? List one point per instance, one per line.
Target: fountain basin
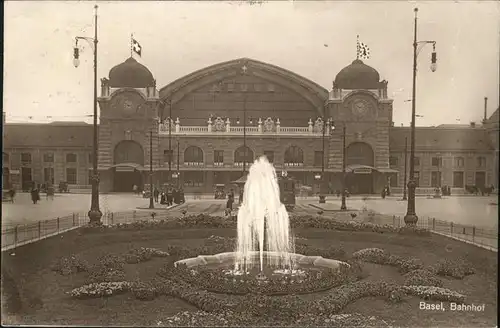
(308, 274)
(231, 257)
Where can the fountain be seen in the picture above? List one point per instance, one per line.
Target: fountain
(264, 259)
(262, 217)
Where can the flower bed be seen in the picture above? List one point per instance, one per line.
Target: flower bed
(70, 265)
(232, 319)
(296, 221)
(457, 269)
(379, 256)
(103, 289)
(143, 254)
(422, 278)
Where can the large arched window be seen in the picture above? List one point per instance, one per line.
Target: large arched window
(128, 151)
(294, 156)
(193, 155)
(243, 154)
(360, 153)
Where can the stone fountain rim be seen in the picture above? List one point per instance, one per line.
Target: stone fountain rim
(226, 257)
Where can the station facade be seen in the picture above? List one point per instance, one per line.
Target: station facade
(202, 128)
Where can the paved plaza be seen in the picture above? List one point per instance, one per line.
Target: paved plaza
(461, 210)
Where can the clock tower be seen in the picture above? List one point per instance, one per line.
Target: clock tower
(129, 111)
(358, 101)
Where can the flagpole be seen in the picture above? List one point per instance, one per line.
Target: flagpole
(131, 44)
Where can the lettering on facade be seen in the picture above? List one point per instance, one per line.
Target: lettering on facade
(362, 170)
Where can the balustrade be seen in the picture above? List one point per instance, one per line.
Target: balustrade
(223, 126)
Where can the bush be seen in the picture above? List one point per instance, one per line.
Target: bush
(70, 265)
(422, 278)
(103, 289)
(143, 291)
(457, 269)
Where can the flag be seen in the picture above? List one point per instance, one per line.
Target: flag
(363, 51)
(136, 47)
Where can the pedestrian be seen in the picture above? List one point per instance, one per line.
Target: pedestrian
(169, 196)
(176, 196)
(135, 189)
(162, 198)
(383, 193)
(156, 194)
(229, 204)
(241, 196)
(12, 194)
(35, 196)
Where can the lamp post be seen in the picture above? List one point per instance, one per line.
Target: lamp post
(406, 164)
(169, 140)
(244, 136)
(411, 217)
(94, 214)
(343, 207)
(178, 156)
(326, 124)
(151, 201)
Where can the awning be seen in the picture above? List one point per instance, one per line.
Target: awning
(387, 170)
(366, 169)
(241, 180)
(127, 167)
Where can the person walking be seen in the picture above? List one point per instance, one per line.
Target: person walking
(169, 196)
(135, 189)
(156, 194)
(229, 203)
(35, 195)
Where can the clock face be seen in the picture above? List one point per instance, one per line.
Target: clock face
(127, 104)
(360, 107)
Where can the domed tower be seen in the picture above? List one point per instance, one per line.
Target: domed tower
(129, 111)
(358, 101)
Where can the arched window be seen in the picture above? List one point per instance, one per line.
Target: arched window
(193, 155)
(359, 153)
(294, 156)
(128, 151)
(240, 155)
(5, 159)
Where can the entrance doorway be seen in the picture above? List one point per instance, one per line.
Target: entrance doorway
(359, 183)
(124, 180)
(26, 179)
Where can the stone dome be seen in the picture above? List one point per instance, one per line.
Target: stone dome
(358, 75)
(130, 74)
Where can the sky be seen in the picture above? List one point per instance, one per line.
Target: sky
(314, 39)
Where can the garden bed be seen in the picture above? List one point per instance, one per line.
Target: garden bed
(382, 294)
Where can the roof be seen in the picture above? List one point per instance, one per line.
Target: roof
(130, 74)
(357, 75)
(441, 138)
(310, 90)
(494, 118)
(68, 134)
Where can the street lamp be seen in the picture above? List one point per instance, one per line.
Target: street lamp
(169, 139)
(178, 156)
(343, 207)
(406, 164)
(411, 217)
(326, 124)
(94, 214)
(244, 135)
(151, 202)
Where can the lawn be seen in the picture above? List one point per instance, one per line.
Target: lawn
(45, 300)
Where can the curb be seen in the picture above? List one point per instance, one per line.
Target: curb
(336, 210)
(160, 208)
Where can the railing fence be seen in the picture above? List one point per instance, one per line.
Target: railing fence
(14, 236)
